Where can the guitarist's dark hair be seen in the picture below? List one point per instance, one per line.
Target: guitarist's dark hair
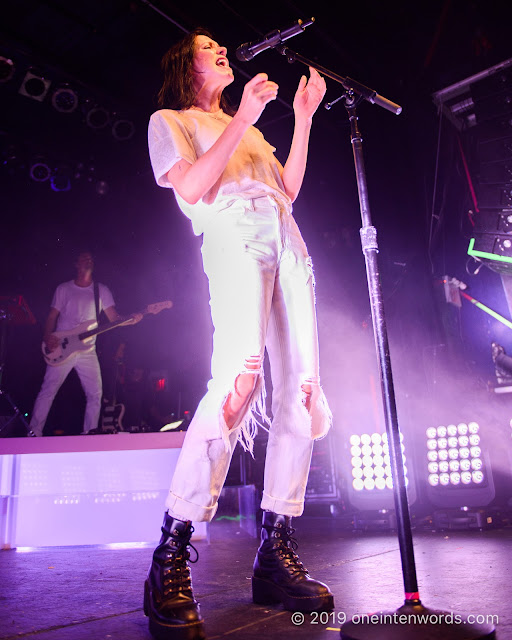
(78, 252)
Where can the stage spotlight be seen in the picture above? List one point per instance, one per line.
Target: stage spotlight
(40, 170)
(97, 117)
(61, 178)
(60, 183)
(34, 86)
(65, 99)
(123, 130)
(458, 471)
(7, 69)
(371, 483)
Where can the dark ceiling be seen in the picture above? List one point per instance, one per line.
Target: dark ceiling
(115, 46)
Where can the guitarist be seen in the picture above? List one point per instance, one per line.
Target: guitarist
(74, 303)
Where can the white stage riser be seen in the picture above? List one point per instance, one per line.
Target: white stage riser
(85, 497)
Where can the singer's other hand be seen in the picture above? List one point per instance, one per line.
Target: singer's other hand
(309, 94)
(258, 92)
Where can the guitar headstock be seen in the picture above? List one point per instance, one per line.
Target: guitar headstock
(156, 307)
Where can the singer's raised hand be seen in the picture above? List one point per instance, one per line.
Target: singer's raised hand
(309, 94)
(258, 92)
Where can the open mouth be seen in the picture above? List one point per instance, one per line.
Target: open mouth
(222, 62)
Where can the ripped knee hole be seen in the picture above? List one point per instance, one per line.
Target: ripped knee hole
(307, 391)
(243, 387)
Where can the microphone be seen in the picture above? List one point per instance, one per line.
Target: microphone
(247, 51)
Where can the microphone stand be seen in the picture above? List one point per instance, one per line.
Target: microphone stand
(389, 625)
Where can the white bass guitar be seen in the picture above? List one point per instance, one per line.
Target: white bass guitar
(79, 338)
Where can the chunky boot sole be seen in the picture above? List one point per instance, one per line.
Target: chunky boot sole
(161, 631)
(266, 592)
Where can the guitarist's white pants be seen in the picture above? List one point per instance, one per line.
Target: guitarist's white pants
(88, 369)
(261, 295)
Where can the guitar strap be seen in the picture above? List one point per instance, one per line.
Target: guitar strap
(97, 301)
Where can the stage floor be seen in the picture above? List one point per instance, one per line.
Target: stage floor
(93, 593)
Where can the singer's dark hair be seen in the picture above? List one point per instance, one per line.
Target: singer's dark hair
(177, 90)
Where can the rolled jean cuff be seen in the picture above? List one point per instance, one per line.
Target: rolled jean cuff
(292, 508)
(184, 510)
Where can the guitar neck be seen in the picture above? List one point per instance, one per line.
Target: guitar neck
(151, 308)
(102, 328)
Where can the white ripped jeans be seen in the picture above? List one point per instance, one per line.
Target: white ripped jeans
(261, 295)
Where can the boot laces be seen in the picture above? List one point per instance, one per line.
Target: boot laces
(175, 566)
(286, 547)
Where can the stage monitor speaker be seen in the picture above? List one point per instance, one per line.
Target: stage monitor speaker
(493, 222)
(482, 99)
(494, 196)
(493, 250)
(496, 172)
(322, 482)
(494, 148)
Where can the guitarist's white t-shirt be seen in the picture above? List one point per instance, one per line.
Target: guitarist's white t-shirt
(76, 304)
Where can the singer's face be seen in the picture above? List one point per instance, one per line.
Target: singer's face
(210, 63)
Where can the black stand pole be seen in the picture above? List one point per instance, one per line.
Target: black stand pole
(412, 620)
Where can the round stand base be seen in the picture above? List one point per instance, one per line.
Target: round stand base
(415, 622)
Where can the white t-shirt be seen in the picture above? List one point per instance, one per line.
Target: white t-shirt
(252, 170)
(76, 304)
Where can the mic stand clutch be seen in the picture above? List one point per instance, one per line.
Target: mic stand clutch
(391, 624)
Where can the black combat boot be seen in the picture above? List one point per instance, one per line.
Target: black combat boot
(168, 599)
(279, 575)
